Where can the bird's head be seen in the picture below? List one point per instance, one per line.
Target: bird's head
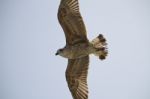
(59, 52)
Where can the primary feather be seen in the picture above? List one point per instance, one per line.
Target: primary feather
(76, 75)
(71, 21)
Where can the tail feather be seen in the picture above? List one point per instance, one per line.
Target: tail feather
(100, 45)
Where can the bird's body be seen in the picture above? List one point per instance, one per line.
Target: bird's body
(78, 48)
(77, 51)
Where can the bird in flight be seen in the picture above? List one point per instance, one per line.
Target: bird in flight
(78, 48)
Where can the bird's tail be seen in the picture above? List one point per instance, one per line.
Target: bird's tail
(100, 45)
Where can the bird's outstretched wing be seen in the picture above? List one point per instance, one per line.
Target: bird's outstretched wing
(72, 23)
(76, 75)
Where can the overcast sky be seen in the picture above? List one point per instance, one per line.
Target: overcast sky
(30, 35)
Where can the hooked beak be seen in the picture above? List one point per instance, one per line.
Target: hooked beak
(56, 53)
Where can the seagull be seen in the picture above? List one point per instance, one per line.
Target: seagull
(78, 48)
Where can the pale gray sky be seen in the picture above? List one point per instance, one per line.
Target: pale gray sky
(30, 35)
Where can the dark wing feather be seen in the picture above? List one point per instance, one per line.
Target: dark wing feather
(72, 23)
(76, 75)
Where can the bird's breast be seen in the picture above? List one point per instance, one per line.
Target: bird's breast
(77, 51)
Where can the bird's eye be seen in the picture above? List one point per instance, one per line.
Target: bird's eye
(60, 49)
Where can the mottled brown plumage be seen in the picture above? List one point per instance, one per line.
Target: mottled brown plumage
(76, 75)
(77, 48)
(72, 22)
(75, 32)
